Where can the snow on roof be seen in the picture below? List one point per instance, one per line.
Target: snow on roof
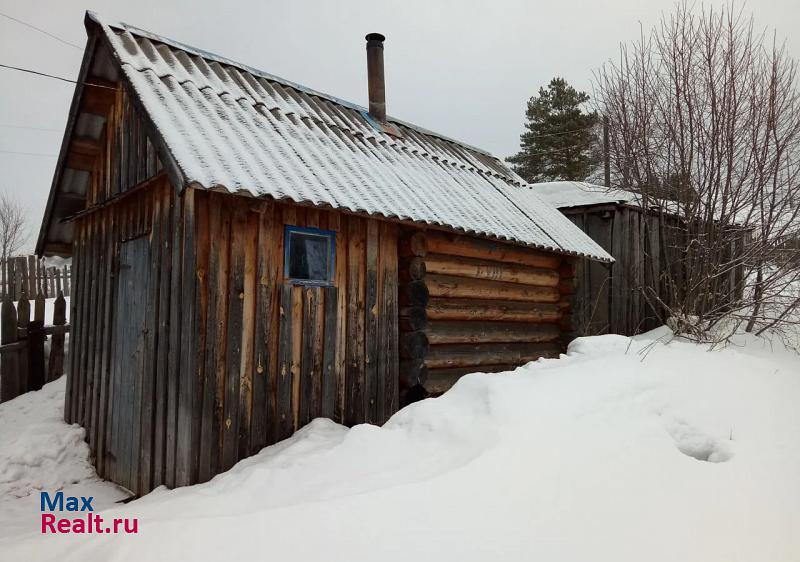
(564, 194)
(231, 126)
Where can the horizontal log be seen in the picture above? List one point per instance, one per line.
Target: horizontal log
(505, 310)
(414, 293)
(462, 287)
(481, 269)
(440, 332)
(566, 286)
(468, 355)
(413, 345)
(414, 245)
(469, 247)
(441, 380)
(413, 318)
(412, 372)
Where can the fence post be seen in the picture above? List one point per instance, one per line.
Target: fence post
(32, 275)
(38, 308)
(36, 339)
(9, 381)
(20, 265)
(10, 280)
(23, 319)
(56, 365)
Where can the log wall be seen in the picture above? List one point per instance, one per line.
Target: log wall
(470, 304)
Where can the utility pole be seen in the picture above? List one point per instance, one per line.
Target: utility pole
(606, 153)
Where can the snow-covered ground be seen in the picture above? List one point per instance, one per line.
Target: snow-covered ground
(625, 449)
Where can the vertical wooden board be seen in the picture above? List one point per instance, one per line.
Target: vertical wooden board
(188, 392)
(70, 391)
(381, 328)
(139, 405)
(101, 354)
(162, 347)
(283, 391)
(148, 356)
(388, 353)
(105, 427)
(296, 352)
(371, 313)
(618, 281)
(356, 287)
(246, 367)
(303, 397)
(230, 429)
(275, 336)
(175, 328)
(31, 280)
(317, 352)
(636, 253)
(599, 229)
(200, 249)
(95, 334)
(221, 334)
(264, 355)
(208, 248)
(80, 324)
(339, 223)
(329, 374)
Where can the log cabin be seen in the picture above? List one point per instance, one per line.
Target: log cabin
(250, 254)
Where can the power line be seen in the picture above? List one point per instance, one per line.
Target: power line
(32, 128)
(28, 153)
(40, 30)
(561, 133)
(45, 75)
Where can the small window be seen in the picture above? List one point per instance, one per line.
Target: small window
(309, 255)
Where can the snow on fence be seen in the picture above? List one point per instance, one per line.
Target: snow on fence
(22, 345)
(29, 276)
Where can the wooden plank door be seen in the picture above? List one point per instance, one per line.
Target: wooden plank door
(127, 362)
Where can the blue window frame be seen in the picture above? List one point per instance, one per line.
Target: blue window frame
(309, 255)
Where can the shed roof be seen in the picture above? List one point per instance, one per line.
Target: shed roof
(233, 127)
(566, 194)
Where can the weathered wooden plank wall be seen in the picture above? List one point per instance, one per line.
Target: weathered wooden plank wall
(469, 304)
(613, 298)
(104, 386)
(272, 355)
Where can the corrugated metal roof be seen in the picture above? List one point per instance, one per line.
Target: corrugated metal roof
(233, 127)
(565, 194)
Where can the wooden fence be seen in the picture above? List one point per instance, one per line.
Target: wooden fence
(29, 276)
(23, 362)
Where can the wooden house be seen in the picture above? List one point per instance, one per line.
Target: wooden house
(250, 254)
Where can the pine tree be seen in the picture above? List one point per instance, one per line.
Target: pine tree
(561, 141)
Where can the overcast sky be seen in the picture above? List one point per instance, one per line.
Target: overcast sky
(462, 68)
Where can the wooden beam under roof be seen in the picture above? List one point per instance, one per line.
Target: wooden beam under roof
(98, 97)
(84, 145)
(80, 161)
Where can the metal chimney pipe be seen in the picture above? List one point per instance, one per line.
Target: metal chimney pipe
(375, 79)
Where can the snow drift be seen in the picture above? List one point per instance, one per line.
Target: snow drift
(626, 449)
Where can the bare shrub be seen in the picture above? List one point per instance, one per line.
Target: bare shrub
(13, 232)
(704, 120)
